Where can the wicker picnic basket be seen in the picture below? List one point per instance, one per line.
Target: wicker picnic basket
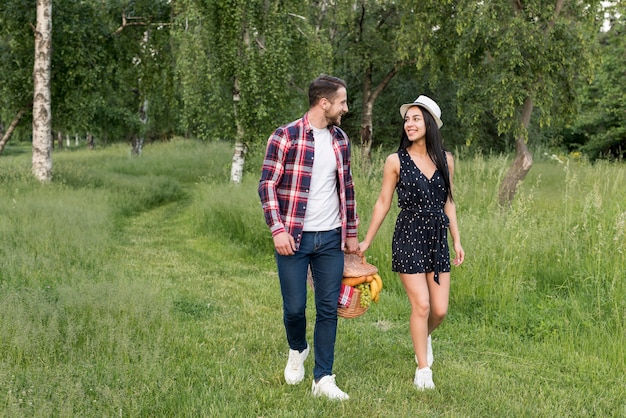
(355, 266)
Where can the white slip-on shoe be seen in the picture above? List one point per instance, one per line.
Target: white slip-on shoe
(294, 371)
(327, 387)
(424, 379)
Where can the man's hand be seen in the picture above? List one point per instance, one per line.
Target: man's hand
(284, 244)
(352, 245)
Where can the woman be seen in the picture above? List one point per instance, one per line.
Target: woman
(421, 172)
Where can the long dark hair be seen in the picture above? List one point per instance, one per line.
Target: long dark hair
(434, 147)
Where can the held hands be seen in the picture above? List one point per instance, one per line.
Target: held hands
(363, 246)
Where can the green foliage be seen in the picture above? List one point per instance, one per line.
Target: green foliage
(16, 57)
(175, 309)
(100, 77)
(479, 60)
(264, 52)
(500, 54)
(600, 130)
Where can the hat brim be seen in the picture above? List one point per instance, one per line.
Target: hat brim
(405, 107)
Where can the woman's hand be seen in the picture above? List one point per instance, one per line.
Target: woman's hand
(460, 254)
(363, 246)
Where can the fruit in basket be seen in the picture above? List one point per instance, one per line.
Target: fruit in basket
(376, 287)
(366, 296)
(379, 280)
(353, 281)
(374, 290)
(364, 277)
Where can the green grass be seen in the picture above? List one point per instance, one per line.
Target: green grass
(146, 287)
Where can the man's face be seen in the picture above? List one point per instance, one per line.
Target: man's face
(337, 107)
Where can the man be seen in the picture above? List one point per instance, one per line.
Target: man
(307, 194)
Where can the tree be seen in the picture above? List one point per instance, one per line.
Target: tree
(258, 58)
(141, 72)
(600, 129)
(16, 65)
(525, 58)
(101, 75)
(6, 135)
(512, 60)
(42, 111)
(368, 53)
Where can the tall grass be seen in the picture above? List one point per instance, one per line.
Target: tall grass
(147, 287)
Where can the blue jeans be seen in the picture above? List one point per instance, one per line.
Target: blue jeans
(322, 251)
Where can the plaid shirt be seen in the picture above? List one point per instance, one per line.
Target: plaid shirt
(286, 176)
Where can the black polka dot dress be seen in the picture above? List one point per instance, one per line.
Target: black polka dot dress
(420, 243)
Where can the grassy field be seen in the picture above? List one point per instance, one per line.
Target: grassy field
(146, 287)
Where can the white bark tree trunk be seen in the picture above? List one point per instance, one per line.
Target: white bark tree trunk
(137, 143)
(42, 114)
(12, 126)
(239, 157)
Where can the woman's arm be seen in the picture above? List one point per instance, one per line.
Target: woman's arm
(450, 211)
(391, 174)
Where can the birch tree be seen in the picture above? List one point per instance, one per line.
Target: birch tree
(42, 111)
(16, 64)
(261, 56)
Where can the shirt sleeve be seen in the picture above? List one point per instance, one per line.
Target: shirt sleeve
(272, 172)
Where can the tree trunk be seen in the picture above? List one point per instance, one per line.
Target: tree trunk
(522, 163)
(42, 114)
(369, 98)
(366, 118)
(239, 157)
(12, 126)
(137, 143)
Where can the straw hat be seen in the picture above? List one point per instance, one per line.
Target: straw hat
(428, 104)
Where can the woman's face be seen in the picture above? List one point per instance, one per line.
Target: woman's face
(414, 125)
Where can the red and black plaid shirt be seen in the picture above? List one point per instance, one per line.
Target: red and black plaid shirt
(286, 176)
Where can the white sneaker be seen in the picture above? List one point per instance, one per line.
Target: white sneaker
(327, 387)
(294, 371)
(430, 359)
(424, 379)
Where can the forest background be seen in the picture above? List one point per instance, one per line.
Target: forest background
(548, 74)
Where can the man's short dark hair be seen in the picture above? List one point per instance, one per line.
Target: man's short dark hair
(324, 87)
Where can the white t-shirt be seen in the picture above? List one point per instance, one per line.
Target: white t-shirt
(322, 211)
